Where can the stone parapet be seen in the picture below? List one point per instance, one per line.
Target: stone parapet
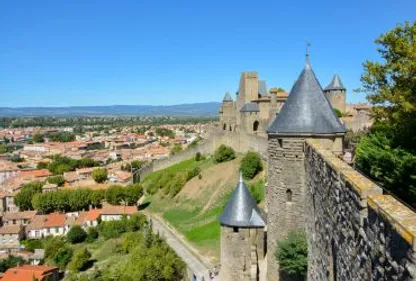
(354, 231)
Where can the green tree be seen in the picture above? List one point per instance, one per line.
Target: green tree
(100, 175)
(3, 148)
(58, 180)
(388, 153)
(62, 137)
(10, 261)
(76, 234)
(24, 198)
(92, 234)
(38, 138)
(52, 244)
(251, 165)
(224, 153)
(63, 257)
(390, 84)
(80, 260)
(292, 254)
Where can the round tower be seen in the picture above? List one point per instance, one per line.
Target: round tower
(306, 114)
(336, 93)
(242, 236)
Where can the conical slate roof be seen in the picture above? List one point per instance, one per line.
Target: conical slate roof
(335, 84)
(307, 111)
(227, 97)
(241, 209)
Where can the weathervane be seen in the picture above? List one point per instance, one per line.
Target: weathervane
(308, 45)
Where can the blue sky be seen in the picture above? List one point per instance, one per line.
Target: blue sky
(80, 52)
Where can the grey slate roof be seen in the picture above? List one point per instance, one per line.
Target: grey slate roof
(250, 107)
(263, 88)
(227, 97)
(307, 111)
(335, 84)
(241, 210)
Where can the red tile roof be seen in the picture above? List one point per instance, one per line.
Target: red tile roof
(92, 215)
(54, 220)
(36, 173)
(28, 272)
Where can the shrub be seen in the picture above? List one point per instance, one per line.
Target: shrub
(100, 175)
(63, 257)
(92, 234)
(251, 165)
(337, 112)
(292, 254)
(193, 173)
(175, 149)
(224, 153)
(79, 260)
(58, 180)
(32, 244)
(198, 156)
(10, 261)
(52, 245)
(76, 234)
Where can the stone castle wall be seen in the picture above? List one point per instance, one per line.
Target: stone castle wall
(241, 248)
(354, 231)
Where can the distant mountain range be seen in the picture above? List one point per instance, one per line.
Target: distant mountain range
(194, 109)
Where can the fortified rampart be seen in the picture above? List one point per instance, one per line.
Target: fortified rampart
(354, 231)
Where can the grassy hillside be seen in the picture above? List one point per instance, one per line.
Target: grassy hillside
(195, 209)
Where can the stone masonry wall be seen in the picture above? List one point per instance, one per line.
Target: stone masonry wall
(286, 173)
(240, 252)
(354, 231)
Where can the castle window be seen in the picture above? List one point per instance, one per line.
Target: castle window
(231, 129)
(235, 229)
(280, 143)
(288, 195)
(255, 126)
(224, 127)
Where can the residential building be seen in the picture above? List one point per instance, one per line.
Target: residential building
(10, 236)
(31, 272)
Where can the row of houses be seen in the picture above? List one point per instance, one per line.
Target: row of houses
(31, 225)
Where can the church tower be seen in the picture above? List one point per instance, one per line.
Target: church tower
(336, 93)
(306, 114)
(242, 236)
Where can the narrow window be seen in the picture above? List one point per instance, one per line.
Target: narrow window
(255, 126)
(224, 127)
(288, 195)
(280, 142)
(235, 229)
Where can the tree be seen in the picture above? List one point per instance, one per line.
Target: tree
(251, 165)
(3, 148)
(76, 234)
(10, 261)
(390, 84)
(37, 138)
(52, 244)
(63, 257)
(100, 175)
(58, 180)
(92, 234)
(62, 137)
(224, 153)
(79, 260)
(292, 254)
(388, 153)
(24, 198)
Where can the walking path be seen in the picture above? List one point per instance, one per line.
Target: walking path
(195, 262)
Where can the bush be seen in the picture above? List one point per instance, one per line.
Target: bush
(52, 245)
(292, 254)
(198, 156)
(80, 260)
(193, 173)
(63, 257)
(76, 234)
(92, 234)
(251, 165)
(100, 175)
(32, 244)
(175, 149)
(58, 180)
(10, 261)
(337, 112)
(224, 153)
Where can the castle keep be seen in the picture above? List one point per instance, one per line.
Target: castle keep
(354, 232)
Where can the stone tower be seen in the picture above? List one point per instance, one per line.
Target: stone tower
(336, 92)
(242, 236)
(227, 113)
(306, 114)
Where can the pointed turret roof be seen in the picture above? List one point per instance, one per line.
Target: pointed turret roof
(227, 97)
(241, 209)
(307, 111)
(335, 84)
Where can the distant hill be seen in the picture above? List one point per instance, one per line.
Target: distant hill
(194, 109)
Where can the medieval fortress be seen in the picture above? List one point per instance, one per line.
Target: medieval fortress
(354, 232)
